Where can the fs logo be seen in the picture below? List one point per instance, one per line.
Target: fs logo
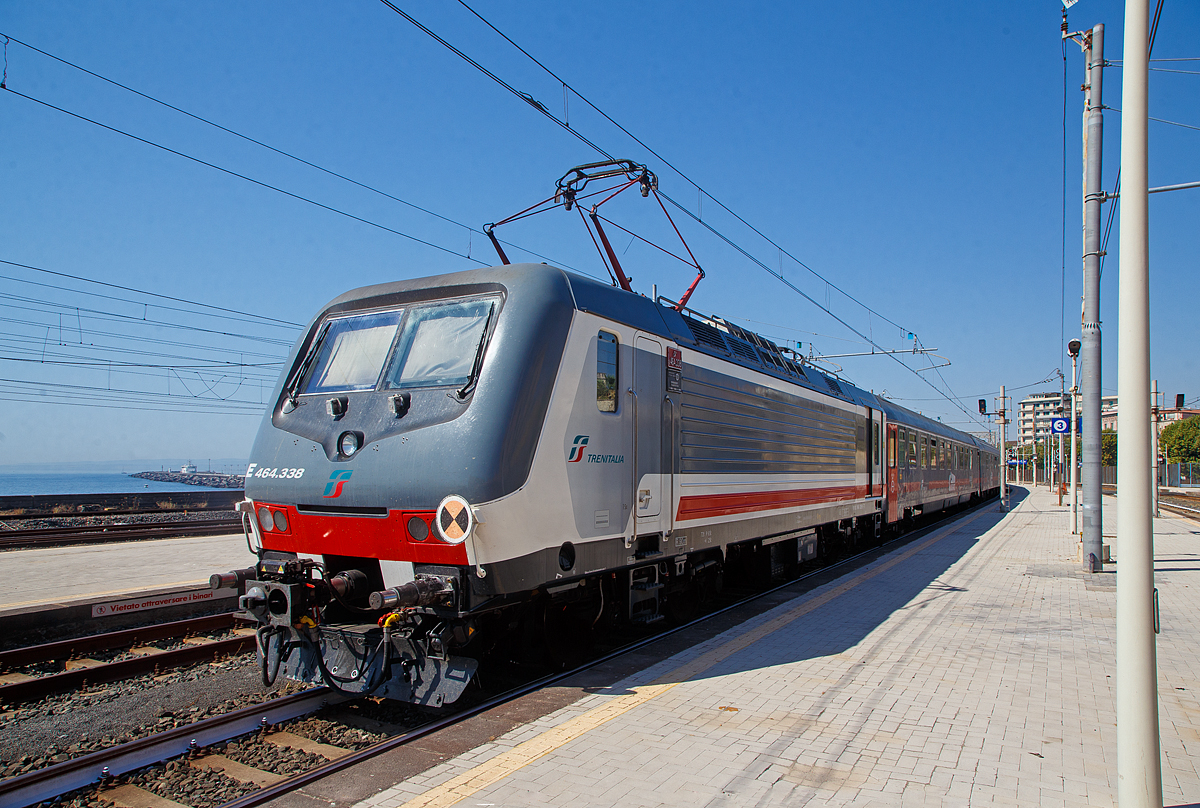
(336, 481)
(580, 443)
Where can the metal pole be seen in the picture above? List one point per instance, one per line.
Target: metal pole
(1000, 424)
(1046, 460)
(1139, 765)
(1062, 411)
(1074, 455)
(1154, 445)
(1093, 521)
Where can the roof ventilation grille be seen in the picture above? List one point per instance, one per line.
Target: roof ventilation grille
(705, 334)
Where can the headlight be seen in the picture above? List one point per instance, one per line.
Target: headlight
(349, 443)
(454, 520)
(418, 529)
(264, 518)
(280, 519)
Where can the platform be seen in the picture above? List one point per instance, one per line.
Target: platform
(971, 667)
(55, 589)
(59, 575)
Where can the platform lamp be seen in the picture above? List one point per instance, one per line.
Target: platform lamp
(1073, 349)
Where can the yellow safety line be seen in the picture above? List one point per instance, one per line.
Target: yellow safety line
(497, 768)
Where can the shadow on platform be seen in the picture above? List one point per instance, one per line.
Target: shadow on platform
(843, 622)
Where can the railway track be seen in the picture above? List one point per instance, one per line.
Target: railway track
(97, 534)
(1187, 507)
(79, 666)
(192, 740)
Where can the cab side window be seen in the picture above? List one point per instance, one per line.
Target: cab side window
(606, 372)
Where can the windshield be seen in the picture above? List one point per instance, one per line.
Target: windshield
(439, 344)
(352, 352)
(423, 346)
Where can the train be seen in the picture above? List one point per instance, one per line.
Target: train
(467, 465)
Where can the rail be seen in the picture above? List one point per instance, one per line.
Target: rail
(103, 672)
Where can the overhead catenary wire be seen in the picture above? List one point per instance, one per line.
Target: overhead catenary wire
(524, 96)
(142, 340)
(1161, 120)
(124, 357)
(241, 315)
(701, 191)
(287, 154)
(100, 316)
(697, 218)
(245, 177)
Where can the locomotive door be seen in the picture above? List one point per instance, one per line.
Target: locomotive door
(893, 474)
(646, 428)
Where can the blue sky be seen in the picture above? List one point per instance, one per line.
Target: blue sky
(911, 154)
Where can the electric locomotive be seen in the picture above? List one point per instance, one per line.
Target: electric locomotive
(452, 463)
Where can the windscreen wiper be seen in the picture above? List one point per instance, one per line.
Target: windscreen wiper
(474, 377)
(293, 385)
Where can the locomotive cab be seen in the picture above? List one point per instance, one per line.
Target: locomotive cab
(401, 407)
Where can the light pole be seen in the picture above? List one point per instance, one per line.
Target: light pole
(1073, 349)
(1154, 447)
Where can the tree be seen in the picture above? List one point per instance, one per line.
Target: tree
(1181, 441)
(1108, 448)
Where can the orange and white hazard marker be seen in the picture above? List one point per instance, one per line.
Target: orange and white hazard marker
(454, 519)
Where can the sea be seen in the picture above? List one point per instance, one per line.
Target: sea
(12, 484)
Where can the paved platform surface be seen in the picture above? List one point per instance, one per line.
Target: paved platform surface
(973, 667)
(62, 575)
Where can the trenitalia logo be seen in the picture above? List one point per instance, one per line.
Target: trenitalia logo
(576, 454)
(336, 481)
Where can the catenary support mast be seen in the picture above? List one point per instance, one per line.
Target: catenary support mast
(1090, 352)
(1139, 766)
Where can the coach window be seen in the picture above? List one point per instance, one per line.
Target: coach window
(924, 459)
(933, 453)
(912, 449)
(891, 449)
(606, 372)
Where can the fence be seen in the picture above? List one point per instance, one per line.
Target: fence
(1174, 475)
(1183, 475)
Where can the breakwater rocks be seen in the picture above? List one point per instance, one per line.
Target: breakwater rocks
(35, 505)
(208, 479)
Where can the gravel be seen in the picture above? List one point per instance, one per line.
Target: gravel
(50, 667)
(252, 750)
(198, 788)
(325, 731)
(72, 724)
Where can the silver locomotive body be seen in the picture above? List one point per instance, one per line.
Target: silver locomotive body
(450, 461)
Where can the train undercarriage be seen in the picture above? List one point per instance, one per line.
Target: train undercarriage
(425, 641)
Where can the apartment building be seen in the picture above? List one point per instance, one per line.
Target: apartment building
(1034, 413)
